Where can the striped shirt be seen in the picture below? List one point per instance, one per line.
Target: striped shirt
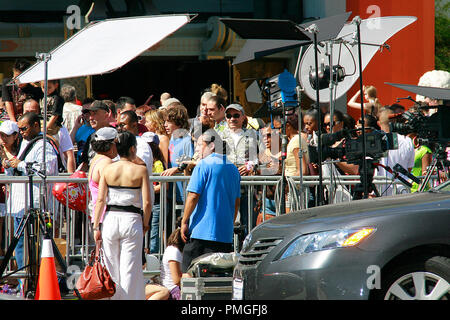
(18, 199)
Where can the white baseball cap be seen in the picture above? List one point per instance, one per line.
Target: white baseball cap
(150, 137)
(9, 127)
(106, 133)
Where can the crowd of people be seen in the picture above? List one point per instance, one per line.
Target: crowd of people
(121, 145)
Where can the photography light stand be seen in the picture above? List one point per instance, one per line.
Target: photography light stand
(34, 216)
(284, 143)
(44, 57)
(439, 161)
(365, 174)
(313, 29)
(31, 223)
(300, 119)
(332, 85)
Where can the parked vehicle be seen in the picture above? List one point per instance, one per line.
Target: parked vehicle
(395, 247)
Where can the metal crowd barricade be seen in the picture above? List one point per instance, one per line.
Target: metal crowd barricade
(62, 218)
(65, 220)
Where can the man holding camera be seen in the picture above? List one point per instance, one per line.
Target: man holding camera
(403, 155)
(30, 152)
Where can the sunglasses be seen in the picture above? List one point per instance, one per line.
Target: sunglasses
(235, 116)
(23, 129)
(327, 124)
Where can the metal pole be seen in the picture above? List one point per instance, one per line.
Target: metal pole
(45, 57)
(357, 22)
(319, 142)
(300, 150)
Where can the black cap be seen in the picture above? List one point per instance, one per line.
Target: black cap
(98, 105)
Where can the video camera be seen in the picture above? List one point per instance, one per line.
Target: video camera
(432, 129)
(280, 91)
(351, 151)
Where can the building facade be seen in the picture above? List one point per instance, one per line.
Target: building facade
(202, 52)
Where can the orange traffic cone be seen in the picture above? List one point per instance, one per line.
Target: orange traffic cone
(47, 288)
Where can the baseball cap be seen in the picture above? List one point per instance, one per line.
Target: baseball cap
(98, 105)
(106, 133)
(150, 137)
(236, 106)
(9, 127)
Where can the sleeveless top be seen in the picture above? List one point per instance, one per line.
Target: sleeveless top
(124, 196)
(93, 190)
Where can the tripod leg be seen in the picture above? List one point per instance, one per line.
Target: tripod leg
(428, 176)
(58, 256)
(17, 235)
(375, 190)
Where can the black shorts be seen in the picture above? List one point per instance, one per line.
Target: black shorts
(196, 247)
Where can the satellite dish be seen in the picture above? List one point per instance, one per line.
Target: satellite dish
(374, 33)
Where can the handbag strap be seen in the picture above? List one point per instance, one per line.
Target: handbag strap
(99, 254)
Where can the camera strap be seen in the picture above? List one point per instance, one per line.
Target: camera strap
(30, 146)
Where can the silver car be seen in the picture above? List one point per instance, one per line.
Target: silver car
(395, 247)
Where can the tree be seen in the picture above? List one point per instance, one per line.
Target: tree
(442, 35)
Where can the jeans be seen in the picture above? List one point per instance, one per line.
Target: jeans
(18, 252)
(154, 229)
(244, 211)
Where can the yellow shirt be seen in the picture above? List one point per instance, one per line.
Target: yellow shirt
(290, 163)
(157, 166)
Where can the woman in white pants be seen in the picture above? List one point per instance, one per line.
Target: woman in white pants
(125, 190)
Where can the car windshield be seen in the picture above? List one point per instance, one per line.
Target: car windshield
(445, 187)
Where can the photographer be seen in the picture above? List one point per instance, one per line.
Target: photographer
(423, 155)
(403, 155)
(339, 168)
(30, 151)
(339, 123)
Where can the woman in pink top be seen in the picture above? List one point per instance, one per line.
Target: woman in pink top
(103, 144)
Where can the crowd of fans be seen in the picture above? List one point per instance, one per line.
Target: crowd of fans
(166, 137)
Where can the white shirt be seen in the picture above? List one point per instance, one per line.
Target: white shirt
(65, 143)
(144, 152)
(404, 156)
(16, 200)
(71, 111)
(171, 253)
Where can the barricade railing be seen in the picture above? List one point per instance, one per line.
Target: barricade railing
(67, 223)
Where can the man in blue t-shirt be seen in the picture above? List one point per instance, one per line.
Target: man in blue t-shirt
(212, 201)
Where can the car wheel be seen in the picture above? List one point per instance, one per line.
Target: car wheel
(426, 280)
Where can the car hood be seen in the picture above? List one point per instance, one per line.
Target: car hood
(351, 214)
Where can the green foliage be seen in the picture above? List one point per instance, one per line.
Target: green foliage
(442, 35)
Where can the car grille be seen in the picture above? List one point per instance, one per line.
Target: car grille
(258, 251)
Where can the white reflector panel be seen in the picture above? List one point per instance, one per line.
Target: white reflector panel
(104, 46)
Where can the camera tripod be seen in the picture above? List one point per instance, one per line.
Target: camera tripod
(439, 162)
(366, 178)
(33, 222)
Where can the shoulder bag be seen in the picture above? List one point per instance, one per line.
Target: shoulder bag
(95, 282)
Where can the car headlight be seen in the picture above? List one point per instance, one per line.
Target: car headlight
(326, 240)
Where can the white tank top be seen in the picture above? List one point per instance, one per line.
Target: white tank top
(124, 196)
